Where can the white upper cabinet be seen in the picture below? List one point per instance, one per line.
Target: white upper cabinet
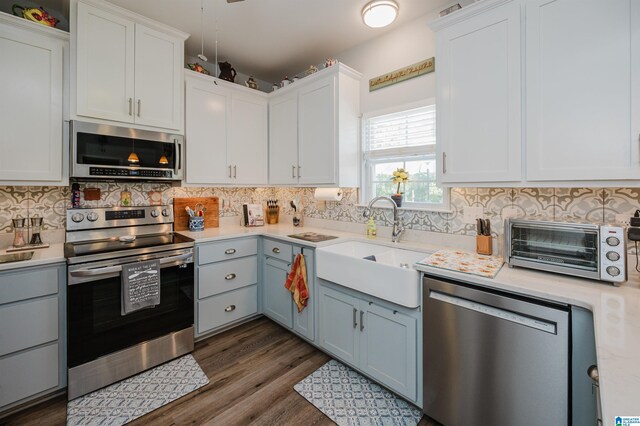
(127, 68)
(226, 132)
(31, 101)
(479, 97)
(313, 130)
(582, 79)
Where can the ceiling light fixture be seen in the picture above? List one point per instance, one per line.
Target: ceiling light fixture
(201, 54)
(380, 13)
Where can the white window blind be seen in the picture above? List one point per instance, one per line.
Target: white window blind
(411, 128)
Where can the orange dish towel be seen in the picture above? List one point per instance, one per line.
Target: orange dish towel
(297, 282)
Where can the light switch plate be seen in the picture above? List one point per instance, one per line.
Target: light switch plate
(473, 213)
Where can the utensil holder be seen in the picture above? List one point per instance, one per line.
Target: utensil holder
(196, 223)
(484, 245)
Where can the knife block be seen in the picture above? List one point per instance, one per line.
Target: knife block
(484, 245)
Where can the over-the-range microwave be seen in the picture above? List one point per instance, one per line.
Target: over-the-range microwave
(579, 249)
(112, 152)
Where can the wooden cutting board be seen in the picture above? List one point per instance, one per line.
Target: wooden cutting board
(181, 217)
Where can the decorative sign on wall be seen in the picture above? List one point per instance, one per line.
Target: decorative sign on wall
(420, 68)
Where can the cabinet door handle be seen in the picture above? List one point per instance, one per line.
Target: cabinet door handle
(229, 172)
(130, 106)
(293, 171)
(229, 277)
(361, 320)
(444, 162)
(235, 169)
(229, 251)
(139, 106)
(230, 308)
(276, 250)
(355, 320)
(299, 171)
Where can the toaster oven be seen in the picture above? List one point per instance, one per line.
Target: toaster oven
(580, 249)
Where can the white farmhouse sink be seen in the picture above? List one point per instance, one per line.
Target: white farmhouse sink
(390, 277)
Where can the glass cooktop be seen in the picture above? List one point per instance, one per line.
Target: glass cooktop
(124, 244)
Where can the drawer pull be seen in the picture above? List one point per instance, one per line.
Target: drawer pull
(229, 276)
(276, 250)
(229, 251)
(230, 308)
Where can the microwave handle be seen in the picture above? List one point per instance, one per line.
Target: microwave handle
(178, 148)
(118, 268)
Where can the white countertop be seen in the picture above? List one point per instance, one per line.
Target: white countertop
(616, 310)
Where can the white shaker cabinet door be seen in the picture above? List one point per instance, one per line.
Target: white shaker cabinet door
(247, 144)
(582, 86)
(158, 79)
(206, 132)
(283, 139)
(479, 98)
(317, 141)
(105, 65)
(31, 85)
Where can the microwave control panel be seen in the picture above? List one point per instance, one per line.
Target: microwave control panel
(613, 254)
(114, 172)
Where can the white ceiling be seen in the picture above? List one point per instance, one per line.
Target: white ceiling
(273, 38)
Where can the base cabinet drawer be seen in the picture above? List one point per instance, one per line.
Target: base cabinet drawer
(220, 277)
(278, 249)
(28, 283)
(28, 324)
(227, 249)
(28, 373)
(223, 309)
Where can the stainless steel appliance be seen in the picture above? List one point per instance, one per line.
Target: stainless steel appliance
(104, 151)
(105, 346)
(580, 249)
(492, 357)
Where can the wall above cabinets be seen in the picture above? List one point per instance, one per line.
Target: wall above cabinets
(125, 67)
(567, 117)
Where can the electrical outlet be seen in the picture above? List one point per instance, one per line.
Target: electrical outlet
(623, 219)
(472, 213)
(509, 212)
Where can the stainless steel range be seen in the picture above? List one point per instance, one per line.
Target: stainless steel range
(105, 345)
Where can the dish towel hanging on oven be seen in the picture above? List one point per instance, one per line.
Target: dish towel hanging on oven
(297, 282)
(140, 286)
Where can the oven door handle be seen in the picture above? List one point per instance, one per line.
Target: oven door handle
(118, 268)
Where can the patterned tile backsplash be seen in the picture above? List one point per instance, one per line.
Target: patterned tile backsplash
(597, 205)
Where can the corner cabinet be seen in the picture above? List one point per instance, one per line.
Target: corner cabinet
(313, 130)
(127, 68)
(32, 333)
(32, 88)
(478, 97)
(277, 301)
(376, 337)
(226, 132)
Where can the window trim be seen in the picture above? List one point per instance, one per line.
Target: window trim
(402, 154)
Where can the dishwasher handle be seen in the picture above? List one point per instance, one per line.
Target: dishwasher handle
(536, 323)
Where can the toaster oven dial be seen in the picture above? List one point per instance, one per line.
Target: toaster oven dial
(613, 256)
(613, 241)
(613, 271)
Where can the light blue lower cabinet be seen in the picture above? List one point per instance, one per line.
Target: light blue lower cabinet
(376, 337)
(32, 333)
(276, 299)
(226, 308)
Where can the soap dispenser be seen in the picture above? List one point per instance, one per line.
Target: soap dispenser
(371, 229)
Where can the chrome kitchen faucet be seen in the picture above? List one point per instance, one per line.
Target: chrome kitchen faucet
(398, 225)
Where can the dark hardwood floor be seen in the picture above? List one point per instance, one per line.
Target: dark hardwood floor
(252, 369)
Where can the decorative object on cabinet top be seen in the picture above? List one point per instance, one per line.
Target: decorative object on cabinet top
(198, 68)
(35, 14)
(227, 72)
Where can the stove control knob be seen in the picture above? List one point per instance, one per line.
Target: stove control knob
(154, 213)
(92, 216)
(613, 256)
(165, 212)
(77, 217)
(613, 241)
(613, 271)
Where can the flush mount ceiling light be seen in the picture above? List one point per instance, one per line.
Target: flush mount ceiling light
(380, 13)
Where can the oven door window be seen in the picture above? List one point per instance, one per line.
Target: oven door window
(575, 248)
(97, 328)
(115, 151)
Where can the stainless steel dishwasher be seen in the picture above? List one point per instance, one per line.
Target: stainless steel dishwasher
(494, 358)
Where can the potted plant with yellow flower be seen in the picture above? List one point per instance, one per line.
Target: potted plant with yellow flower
(400, 176)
